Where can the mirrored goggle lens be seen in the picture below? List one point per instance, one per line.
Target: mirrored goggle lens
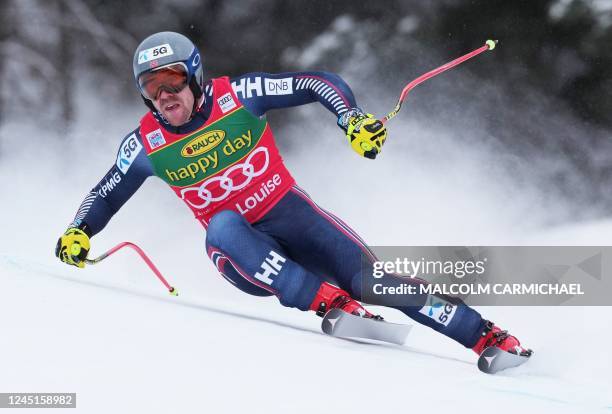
(170, 78)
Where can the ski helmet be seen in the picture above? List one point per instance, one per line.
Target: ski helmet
(166, 48)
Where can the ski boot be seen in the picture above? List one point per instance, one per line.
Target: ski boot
(492, 336)
(329, 297)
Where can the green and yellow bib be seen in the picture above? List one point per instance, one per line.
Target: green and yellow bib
(230, 163)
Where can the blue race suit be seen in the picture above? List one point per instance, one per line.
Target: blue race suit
(296, 245)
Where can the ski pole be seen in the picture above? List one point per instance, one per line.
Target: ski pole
(489, 45)
(143, 256)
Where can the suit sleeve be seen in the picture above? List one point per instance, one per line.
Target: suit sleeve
(261, 92)
(131, 168)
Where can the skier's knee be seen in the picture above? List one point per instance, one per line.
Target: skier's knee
(222, 226)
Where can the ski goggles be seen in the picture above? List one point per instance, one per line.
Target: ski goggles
(171, 78)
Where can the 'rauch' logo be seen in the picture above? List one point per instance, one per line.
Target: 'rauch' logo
(203, 143)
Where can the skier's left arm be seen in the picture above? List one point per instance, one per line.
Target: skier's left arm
(261, 92)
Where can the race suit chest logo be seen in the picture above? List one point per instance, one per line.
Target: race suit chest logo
(226, 103)
(203, 143)
(235, 178)
(156, 139)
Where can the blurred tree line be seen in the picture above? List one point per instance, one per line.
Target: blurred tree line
(560, 47)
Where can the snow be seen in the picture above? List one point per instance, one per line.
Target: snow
(131, 348)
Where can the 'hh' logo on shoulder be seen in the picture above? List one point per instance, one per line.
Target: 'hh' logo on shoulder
(226, 102)
(156, 138)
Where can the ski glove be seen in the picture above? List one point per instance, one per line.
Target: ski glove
(72, 247)
(365, 133)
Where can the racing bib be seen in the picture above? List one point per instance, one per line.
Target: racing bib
(230, 163)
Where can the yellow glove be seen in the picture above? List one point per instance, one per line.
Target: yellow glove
(72, 247)
(366, 134)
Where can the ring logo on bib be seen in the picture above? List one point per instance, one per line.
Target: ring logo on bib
(235, 178)
(231, 162)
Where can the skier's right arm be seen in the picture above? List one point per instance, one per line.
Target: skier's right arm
(132, 167)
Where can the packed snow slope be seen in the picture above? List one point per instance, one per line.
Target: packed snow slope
(112, 334)
(122, 345)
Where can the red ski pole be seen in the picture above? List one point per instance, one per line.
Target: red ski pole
(489, 45)
(144, 257)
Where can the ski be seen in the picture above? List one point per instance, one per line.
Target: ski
(493, 360)
(344, 325)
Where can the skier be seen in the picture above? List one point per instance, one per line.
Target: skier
(210, 142)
